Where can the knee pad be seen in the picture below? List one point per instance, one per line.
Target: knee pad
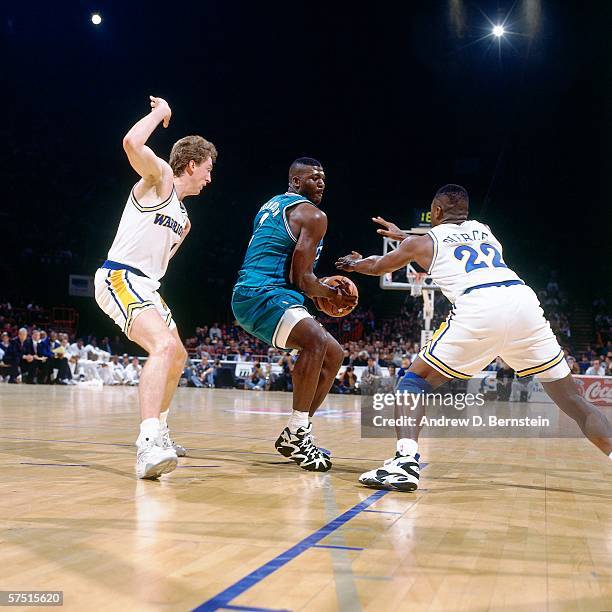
(413, 383)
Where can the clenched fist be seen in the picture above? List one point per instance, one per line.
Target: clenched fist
(161, 106)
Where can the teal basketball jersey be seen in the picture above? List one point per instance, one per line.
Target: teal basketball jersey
(267, 262)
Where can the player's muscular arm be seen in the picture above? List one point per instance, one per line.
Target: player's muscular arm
(413, 248)
(150, 167)
(312, 225)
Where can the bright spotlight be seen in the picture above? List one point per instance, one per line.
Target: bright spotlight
(96, 19)
(498, 31)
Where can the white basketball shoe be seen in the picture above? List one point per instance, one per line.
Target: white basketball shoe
(167, 442)
(152, 459)
(401, 473)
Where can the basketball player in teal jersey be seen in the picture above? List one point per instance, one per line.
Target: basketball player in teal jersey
(494, 314)
(268, 301)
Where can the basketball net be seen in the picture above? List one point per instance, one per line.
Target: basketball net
(416, 280)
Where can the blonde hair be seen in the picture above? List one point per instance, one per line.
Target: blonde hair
(190, 147)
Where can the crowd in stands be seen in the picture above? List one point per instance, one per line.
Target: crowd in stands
(379, 344)
(35, 357)
(603, 327)
(554, 301)
(34, 353)
(359, 334)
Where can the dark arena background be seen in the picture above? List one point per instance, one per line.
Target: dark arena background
(512, 100)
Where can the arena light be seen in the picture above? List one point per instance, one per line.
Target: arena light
(96, 19)
(498, 31)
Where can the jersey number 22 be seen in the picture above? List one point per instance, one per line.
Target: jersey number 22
(472, 255)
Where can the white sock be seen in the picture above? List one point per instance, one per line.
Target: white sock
(296, 420)
(163, 418)
(610, 455)
(406, 446)
(149, 428)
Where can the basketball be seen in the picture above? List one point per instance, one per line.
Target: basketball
(326, 306)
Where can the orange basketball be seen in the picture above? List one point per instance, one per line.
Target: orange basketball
(325, 305)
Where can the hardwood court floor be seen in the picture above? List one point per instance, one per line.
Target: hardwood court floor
(518, 524)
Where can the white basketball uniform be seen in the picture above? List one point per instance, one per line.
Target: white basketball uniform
(494, 313)
(127, 282)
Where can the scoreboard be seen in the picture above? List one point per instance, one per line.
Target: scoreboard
(422, 218)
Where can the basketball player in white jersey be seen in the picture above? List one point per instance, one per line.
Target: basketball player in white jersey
(153, 226)
(494, 314)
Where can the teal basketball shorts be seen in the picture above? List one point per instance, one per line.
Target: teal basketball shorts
(270, 314)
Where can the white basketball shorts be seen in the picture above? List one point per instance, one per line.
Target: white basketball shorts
(491, 322)
(123, 295)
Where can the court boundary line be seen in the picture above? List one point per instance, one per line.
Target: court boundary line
(55, 464)
(252, 609)
(337, 547)
(222, 599)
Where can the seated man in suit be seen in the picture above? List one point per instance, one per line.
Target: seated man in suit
(16, 356)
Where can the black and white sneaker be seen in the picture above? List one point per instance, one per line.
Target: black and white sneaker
(299, 447)
(401, 473)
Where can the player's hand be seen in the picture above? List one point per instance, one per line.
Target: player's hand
(390, 229)
(348, 261)
(343, 299)
(161, 106)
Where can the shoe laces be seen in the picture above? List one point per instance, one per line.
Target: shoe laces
(399, 459)
(165, 436)
(309, 447)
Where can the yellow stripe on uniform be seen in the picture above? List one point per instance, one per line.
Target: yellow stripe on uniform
(121, 289)
(129, 301)
(436, 334)
(437, 364)
(433, 361)
(542, 368)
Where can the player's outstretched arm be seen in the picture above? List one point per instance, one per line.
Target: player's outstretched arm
(376, 265)
(313, 224)
(150, 167)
